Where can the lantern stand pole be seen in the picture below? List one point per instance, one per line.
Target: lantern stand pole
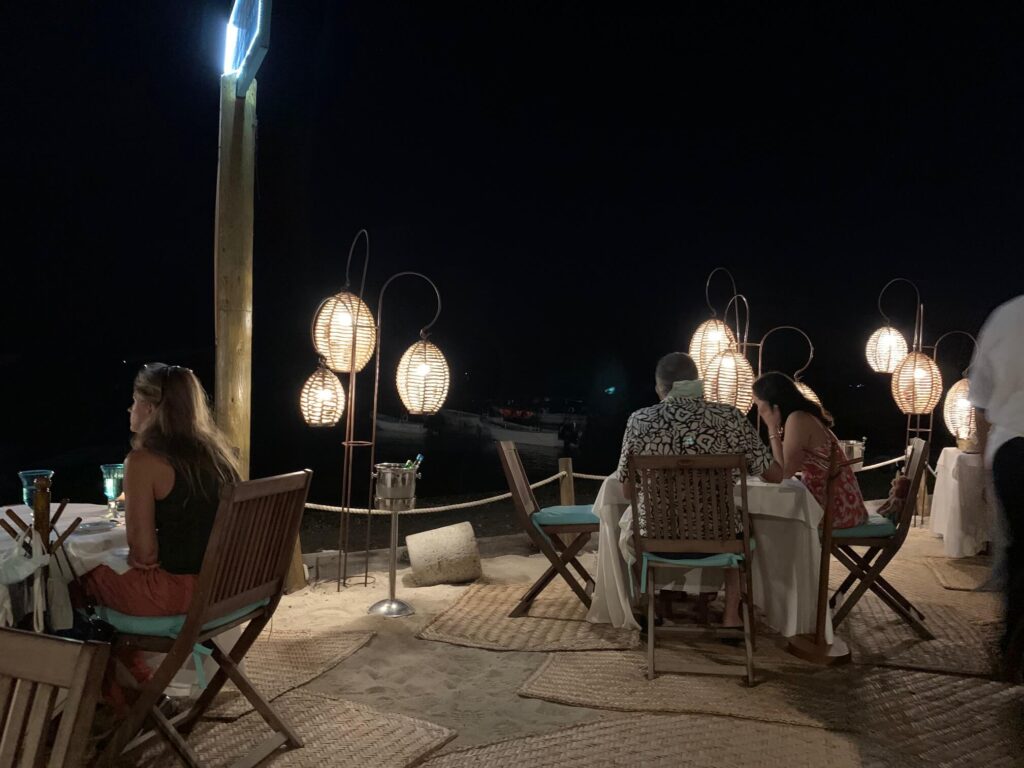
(391, 607)
(760, 349)
(350, 442)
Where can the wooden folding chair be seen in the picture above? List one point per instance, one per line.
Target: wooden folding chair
(543, 527)
(683, 508)
(33, 669)
(241, 580)
(882, 539)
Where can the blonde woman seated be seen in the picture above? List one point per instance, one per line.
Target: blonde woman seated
(802, 441)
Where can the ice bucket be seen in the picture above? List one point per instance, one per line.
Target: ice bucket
(854, 449)
(394, 481)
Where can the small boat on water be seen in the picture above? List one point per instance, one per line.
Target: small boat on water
(499, 429)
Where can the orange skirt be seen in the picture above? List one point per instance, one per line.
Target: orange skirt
(140, 592)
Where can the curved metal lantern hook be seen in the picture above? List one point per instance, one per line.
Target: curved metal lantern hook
(707, 289)
(918, 311)
(810, 345)
(741, 339)
(366, 260)
(935, 346)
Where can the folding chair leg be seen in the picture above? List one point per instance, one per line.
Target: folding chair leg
(241, 647)
(748, 640)
(864, 576)
(896, 595)
(558, 565)
(261, 705)
(166, 729)
(523, 606)
(905, 614)
(848, 582)
(142, 709)
(749, 605)
(650, 622)
(868, 577)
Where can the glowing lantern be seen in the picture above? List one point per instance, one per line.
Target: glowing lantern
(341, 320)
(917, 384)
(322, 400)
(729, 379)
(711, 337)
(423, 378)
(886, 349)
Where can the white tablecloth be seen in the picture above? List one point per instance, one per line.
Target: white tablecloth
(961, 514)
(784, 518)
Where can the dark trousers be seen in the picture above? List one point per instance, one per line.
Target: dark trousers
(1008, 476)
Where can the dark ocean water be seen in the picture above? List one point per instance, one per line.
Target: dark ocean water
(458, 466)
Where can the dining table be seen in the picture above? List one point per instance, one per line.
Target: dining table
(100, 540)
(784, 519)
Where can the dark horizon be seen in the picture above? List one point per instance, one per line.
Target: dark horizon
(567, 177)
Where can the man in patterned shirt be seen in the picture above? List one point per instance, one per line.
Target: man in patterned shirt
(685, 423)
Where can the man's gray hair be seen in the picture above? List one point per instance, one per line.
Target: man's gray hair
(673, 367)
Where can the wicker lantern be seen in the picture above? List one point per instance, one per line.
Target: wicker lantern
(959, 414)
(711, 337)
(808, 392)
(729, 379)
(333, 331)
(886, 349)
(323, 399)
(423, 378)
(917, 384)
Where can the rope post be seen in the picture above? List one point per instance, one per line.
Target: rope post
(566, 486)
(566, 491)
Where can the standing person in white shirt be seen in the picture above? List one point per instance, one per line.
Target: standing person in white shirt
(997, 392)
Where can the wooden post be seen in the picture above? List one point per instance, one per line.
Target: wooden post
(233, 265)
(566, 492)
(566, 484)
(233, 238)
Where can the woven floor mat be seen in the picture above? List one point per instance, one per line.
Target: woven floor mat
(940, 719)
(916, 581)
(966, 574)
(557, 622)
(334, 733)
(877, 636)
(281, 660)
(682, 741)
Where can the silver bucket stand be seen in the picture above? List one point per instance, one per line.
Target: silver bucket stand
(395, 491)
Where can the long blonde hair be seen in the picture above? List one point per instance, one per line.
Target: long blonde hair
(181, 428)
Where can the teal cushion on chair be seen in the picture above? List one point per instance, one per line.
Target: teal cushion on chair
(165, 626)
(877, 527)
(580, 514)
(722, 560)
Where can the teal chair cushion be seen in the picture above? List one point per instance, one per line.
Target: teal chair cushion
(165, 626)
(877, 527)
(722, 560)
(580, 514)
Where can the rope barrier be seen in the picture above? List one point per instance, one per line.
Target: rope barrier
(444, 508)
(881, 464)
(505, 496)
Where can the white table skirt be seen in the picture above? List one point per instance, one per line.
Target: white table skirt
(961, 514)
(784, 518)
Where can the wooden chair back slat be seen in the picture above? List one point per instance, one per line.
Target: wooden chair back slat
(522, 494)
(252, 542)
(686, 503)
(33, 670)
(915, 472)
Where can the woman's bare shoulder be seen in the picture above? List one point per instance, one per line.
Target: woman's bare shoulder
(145, 459)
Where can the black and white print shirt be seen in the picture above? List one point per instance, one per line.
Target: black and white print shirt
(690, 425)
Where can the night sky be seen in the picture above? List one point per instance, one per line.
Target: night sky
(567, 176)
